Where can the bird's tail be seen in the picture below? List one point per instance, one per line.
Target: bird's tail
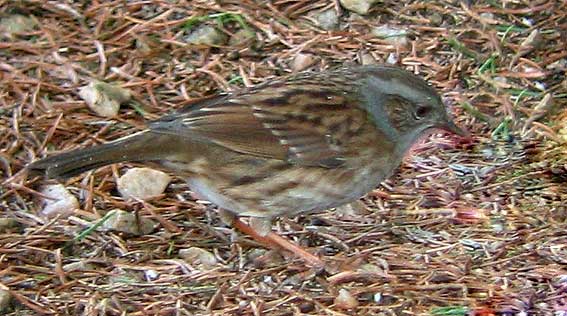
(142, 146)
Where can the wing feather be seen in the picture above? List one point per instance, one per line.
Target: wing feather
(260, 126)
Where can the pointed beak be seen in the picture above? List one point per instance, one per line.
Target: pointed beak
(449, 126)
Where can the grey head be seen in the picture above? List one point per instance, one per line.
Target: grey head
(402, 104)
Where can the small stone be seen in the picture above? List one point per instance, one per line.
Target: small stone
(58, 201)
(561, 280)
(16, 23)
(377, 297)
(468, 196)
(198, 256)
(358, 6)
(206, 35)
(436, 18)
(5, 301)
(9, 225)
(345, 300)
(302, 61)
(142, 183)
(355, 209)
(328, 20)
(500, 79)
(126, 222)
(487, 15)
(243, 37)
(103, 98)
(151, 275)
(78, 266)
(540, 85)
(393, 35)
(367, 59)
(392, 59)
(306, 307)
(527, 21)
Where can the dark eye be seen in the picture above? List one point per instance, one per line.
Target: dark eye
(421, 111)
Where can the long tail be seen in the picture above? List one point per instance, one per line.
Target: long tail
(142, 146)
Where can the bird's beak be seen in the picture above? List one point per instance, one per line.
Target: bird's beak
(451, 127)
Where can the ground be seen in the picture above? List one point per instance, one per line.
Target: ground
(472, 227)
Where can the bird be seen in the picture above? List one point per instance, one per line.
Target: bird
(303, 143)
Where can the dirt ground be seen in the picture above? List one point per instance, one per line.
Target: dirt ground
(463, 228)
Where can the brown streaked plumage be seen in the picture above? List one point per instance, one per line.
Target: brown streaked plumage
(307, 142)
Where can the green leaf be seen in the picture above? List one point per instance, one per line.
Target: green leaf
(450, 311)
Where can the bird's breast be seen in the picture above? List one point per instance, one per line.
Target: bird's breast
(255, 186)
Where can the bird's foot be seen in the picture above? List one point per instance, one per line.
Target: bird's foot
(273, 240)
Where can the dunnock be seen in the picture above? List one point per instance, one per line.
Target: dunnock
(308, 142)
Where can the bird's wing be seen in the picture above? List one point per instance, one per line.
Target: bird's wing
(296, 125)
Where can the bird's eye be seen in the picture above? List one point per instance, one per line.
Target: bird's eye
(421, 111)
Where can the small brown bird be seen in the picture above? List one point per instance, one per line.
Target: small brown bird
(308, 142)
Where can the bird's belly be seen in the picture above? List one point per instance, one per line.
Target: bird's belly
(207, 191)
(292, 191)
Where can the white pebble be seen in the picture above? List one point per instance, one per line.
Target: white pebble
(58, 201)
(142, 183)
(528, 22)
(487, 15)
(78, 266)
(367, 59)
(206, 35)
(392, 59)
(328, 20)
(126, 222)
(378, 298)
(354, 209)
(358, 6)
(393, 35)
(302, 61)
(540, 85)
(345, 300)
(103, 98)
(198, 256)
(151, 275)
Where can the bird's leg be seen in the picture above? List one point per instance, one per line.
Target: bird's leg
(268, 238)
(274, 240)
